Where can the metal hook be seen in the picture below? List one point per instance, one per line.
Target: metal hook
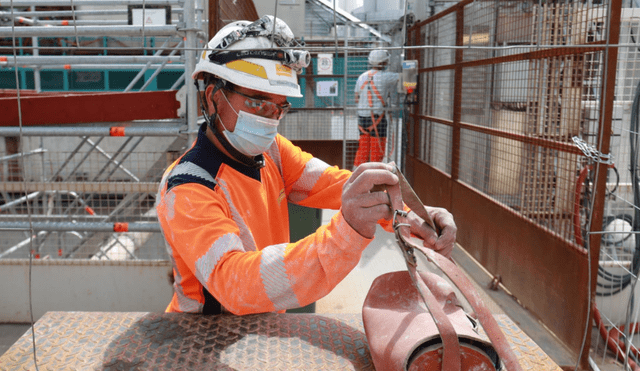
(407, 250)
(403, 214)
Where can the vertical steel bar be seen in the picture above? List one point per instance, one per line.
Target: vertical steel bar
(36, 71)
(199, 18)
(190, 62)
(604, 139)
(345, 111)
(421, 94)
(457, 96)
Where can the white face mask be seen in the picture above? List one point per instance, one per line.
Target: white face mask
(253, 134)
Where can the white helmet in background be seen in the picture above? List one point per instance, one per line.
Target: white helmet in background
(255, 55)
(378, 57)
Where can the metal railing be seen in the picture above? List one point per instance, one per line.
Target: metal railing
(504, 88)
(75, 191)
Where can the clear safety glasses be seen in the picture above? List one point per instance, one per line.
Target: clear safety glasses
(263, 108)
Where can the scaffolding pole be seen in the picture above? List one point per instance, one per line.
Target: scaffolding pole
(72, 131)
(122, 205)
(96, 31)
(80, 226)
(66, 60)
(70, 13)
(80, 3)
(190, 62)
(77, 218)
(81, 187)
(123, 67)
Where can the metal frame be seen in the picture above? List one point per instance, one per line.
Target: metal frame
(514, 246)
(67, 203)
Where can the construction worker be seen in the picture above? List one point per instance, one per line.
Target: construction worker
(223, 205)
(373, 92)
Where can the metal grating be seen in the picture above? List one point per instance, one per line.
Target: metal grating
(113, 341)
(506, 88)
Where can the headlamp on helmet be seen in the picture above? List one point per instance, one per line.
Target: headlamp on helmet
(279, 34)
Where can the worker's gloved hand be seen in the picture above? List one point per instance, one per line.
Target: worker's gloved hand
(364, 200)
(444, 222)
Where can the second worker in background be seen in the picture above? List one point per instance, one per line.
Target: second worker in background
(373, 92)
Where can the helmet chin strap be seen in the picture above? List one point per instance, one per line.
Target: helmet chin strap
(256, 162)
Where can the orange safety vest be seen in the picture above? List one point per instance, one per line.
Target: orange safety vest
(226, 227)
(372, 86)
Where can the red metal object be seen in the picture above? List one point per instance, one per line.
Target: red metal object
(117, 131)
(120, 227)
(497, 337)
(413, 318)
(440, 306)
(76, 108)
(403, 335)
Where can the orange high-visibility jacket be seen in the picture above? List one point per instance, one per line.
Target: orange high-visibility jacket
(226, 227)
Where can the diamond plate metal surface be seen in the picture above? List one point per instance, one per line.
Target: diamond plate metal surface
(529, 354)
(169, 341)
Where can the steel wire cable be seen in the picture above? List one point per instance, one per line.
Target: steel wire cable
(625, 280)
(630, 356)
(634, 138)
(24, 184)
(601, 123)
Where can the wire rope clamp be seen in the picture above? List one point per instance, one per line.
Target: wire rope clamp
(592, 152)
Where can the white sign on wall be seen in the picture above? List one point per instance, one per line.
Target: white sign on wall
(327, 88)
(325, 64)
(151, 15)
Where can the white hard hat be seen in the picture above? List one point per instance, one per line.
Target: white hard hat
(255, 55)
(378, 57)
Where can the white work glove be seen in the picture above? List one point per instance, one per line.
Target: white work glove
(443, 219)
(362, 207)
(365, 202)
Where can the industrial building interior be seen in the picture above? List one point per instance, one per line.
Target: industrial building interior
(519, 117)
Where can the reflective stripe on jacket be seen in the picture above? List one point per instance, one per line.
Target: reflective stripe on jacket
(226, 228)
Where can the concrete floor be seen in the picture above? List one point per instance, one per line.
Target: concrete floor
(9, 333)
(381, 256)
